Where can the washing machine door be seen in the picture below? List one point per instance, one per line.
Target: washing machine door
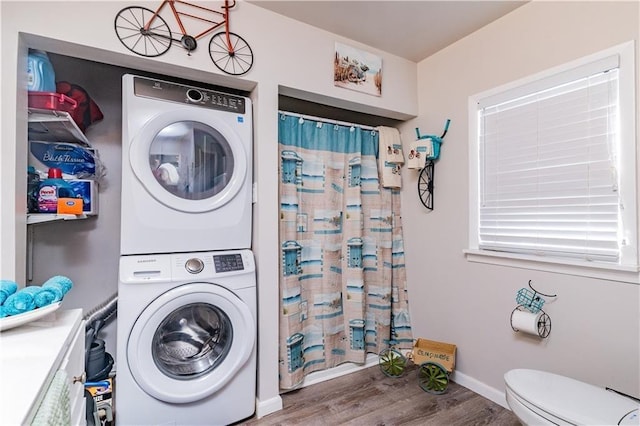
(190, 342)
(189, 160)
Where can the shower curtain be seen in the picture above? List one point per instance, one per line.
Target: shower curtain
(342, 273)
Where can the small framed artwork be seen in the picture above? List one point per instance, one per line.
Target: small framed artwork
(357, 70)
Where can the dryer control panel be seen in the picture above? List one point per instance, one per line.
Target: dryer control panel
(174, 92)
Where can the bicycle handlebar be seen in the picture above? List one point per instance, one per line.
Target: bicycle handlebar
(229, 7)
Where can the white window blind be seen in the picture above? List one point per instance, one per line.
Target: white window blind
(548, 166)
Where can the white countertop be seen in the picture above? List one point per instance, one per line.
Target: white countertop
(28, 354)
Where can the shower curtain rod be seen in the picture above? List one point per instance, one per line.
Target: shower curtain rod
(326, 120)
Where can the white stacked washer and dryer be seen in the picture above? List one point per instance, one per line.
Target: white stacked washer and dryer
(186, 345)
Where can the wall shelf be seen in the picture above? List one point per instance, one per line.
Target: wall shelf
(54, 126)
(35, 218)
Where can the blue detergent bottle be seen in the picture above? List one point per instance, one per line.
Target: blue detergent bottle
(51, 189)
(40, 74)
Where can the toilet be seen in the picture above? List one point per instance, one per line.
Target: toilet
(538, 397)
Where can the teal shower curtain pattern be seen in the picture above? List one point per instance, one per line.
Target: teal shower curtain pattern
(342, 273)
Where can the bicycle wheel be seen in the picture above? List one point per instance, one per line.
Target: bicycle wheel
(236, 63)
(433, 378)
(544, 325)
(392, 363)
(129, 25)
(425, 185)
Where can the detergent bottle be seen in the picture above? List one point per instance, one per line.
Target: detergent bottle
(51, 189)
(40, 74)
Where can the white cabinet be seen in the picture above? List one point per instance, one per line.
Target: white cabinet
(30, 356)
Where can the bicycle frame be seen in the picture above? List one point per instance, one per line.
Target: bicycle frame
(145, 32)
(178, 14)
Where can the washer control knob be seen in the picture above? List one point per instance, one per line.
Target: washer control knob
(194, 95)
(194, 265)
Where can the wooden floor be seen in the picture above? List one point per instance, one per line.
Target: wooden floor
(368, 397)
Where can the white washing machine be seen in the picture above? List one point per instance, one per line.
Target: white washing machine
(186, 345)
(186, 168)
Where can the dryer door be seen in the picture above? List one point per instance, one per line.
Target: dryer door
(190, 342)
(189, 160)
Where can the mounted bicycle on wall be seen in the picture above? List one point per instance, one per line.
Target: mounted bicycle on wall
(424, 152)
(146, 33)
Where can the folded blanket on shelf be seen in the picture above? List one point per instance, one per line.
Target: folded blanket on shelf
(7, 288)
(19, 303)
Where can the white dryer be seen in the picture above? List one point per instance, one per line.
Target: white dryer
(186, 345)
(186, 169)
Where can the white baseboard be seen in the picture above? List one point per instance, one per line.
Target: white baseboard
(480, 388)
(268, 406)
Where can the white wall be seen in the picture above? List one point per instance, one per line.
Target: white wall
(290, 58)
(595, 331)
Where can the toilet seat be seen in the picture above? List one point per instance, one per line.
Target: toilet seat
(529, 414)
(563, 400)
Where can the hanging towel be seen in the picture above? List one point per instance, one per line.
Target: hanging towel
(390, 158)
(19, 303)
(421, 149)
(55, 408)
(7, 288)
(43, 296)
(390, 147)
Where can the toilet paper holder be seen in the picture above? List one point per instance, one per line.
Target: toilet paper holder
(529, 311)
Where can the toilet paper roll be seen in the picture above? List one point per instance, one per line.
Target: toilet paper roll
(526, 322)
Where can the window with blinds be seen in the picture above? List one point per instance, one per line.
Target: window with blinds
(553, 177)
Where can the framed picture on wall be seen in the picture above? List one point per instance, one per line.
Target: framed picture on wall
(357, 70)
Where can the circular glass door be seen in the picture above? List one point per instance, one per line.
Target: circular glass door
(189, 161)
(190, 342)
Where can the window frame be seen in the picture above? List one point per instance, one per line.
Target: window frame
(627, 269)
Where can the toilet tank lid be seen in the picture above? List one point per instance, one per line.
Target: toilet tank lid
(568, 399)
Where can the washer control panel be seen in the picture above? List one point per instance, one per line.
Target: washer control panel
(228, 262)
(164, 268)
(174, 92)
